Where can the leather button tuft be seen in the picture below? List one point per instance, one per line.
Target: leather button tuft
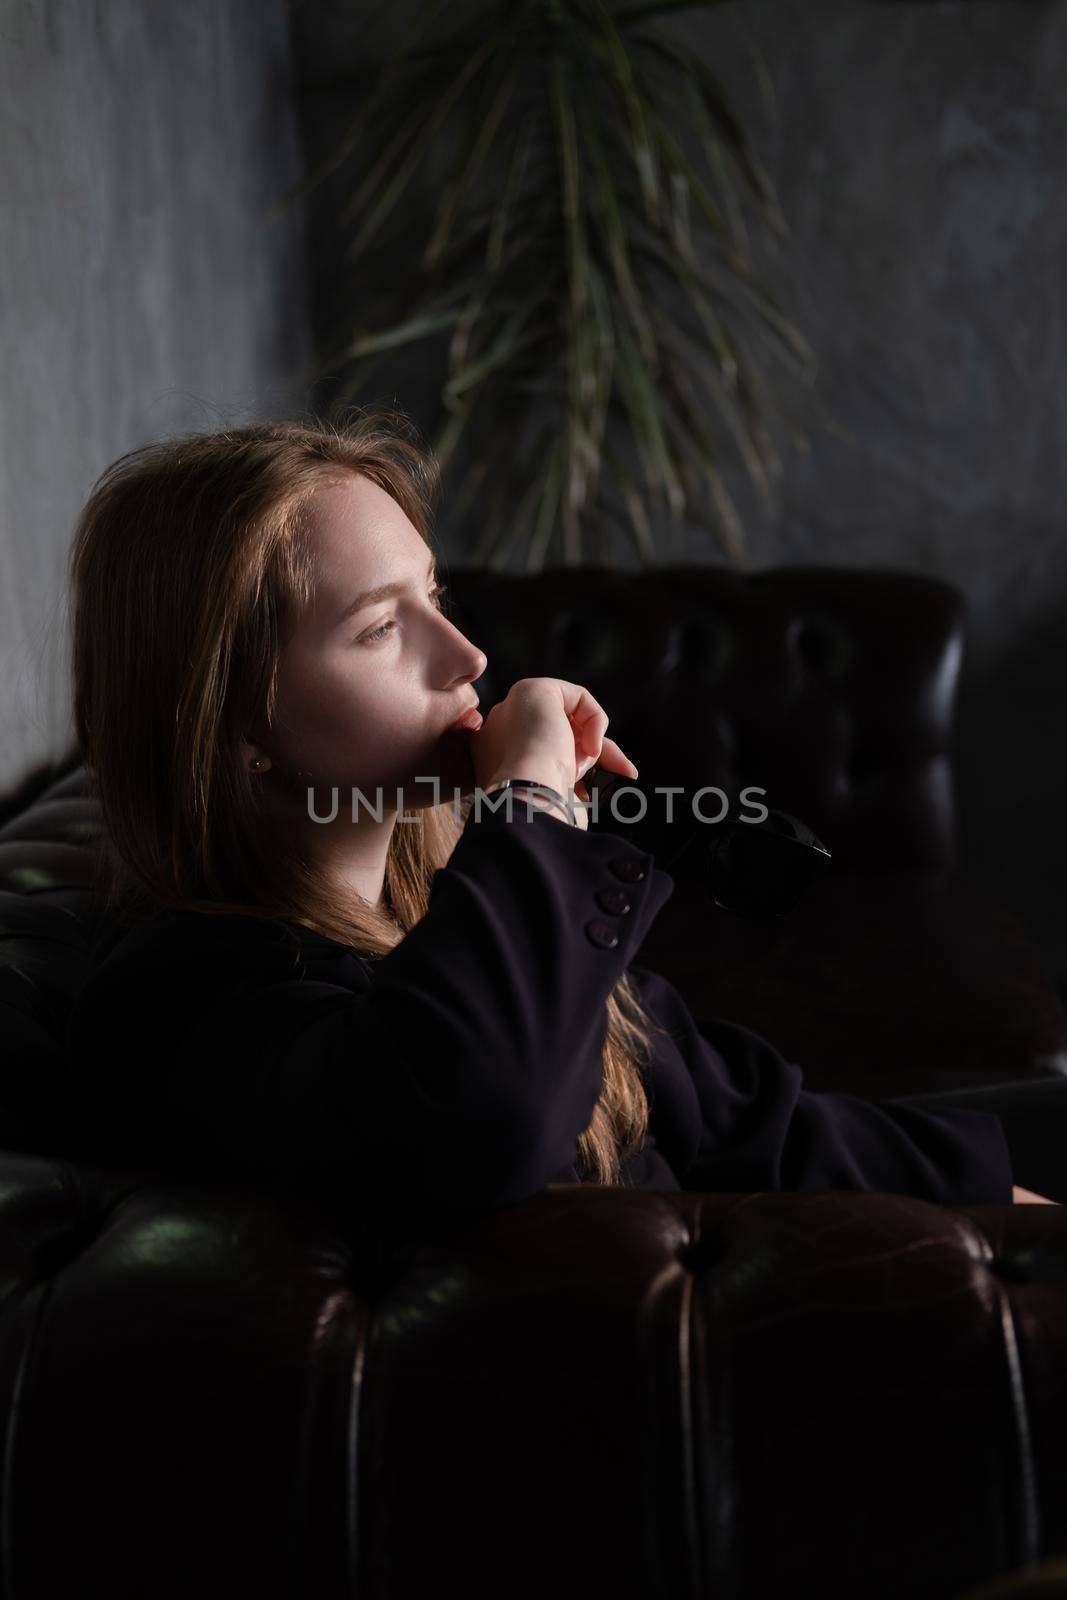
(614, 900)
(627, 868)
(601, 933)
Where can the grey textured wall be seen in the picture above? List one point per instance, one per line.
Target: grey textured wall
(920, 154)
(142, 289)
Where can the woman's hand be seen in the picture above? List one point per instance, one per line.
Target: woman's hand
(1027, 1197)
(589, 724)
(550, 730)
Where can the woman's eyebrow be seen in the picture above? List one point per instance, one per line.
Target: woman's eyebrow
(383, 591)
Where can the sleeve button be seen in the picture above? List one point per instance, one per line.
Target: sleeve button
(613, 900)
(627, 868)
(602, 934)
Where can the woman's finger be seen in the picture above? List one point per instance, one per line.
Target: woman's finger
(589, 735)
(586, 715)
(1028, 1197)
(589, 723)
(614, 759)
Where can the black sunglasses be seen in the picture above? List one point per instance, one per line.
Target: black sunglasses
(758, 869)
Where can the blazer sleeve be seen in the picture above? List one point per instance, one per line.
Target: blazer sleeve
(459, 1077)
(753, 1126)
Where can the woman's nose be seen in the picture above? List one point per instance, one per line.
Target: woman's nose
(475, 660)
(479, 660)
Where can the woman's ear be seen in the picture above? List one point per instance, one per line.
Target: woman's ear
(253, 758)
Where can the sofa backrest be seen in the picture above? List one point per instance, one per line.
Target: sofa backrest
(831, 688)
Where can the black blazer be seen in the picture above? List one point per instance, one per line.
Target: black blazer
(457, 1072)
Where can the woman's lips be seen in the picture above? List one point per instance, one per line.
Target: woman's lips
(471, 720)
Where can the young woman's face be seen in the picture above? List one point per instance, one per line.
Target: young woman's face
(365, 700)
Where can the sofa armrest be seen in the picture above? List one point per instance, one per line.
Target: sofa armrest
(631, 1392)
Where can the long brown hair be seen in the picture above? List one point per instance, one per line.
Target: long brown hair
(189, 568)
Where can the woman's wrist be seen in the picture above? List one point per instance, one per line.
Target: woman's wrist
(532, 792)
(553, 802)
(540, 768)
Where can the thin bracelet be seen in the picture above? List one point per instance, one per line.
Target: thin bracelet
(554, 799)
(531, 783)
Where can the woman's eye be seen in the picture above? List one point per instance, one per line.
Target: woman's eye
(381, 633)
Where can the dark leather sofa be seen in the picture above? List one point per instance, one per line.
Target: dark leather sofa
(211, 1390)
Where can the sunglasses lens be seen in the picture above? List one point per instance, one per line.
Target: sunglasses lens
(761, 870)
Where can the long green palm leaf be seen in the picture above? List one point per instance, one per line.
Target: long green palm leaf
(498, 227)
(725, 403)
(570, 180)
(639, 525)
(614, 232)
(548, 509)
(716, 114)
(406, 170)
(644, 407)
(611, 50)
(498, 92)
(368, 110)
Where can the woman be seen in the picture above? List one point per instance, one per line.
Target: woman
(317, 970)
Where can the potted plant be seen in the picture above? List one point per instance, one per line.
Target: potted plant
(596, 287)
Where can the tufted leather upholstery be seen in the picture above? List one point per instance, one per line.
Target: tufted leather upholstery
(833, 689)
(212, 1390)
(596, 1391)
